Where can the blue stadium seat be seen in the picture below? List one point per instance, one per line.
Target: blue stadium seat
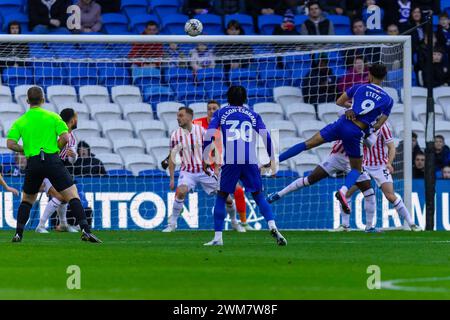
(119, 173)
(139, 22)
(266, 23)
(189, 93)
(14, 76)
(212, 24)
(394, 79)
(244, 77)
(445, 4)
(287, 174)
(435, 22)
(133, 7)
(212, 80)
(163, 8)
(39, 50)
(8, 7)
(19, 17)
(7, 162)
(153, 173)
(298, 21)
(276, 78)
(257, 95)
(179, 75)
(245, 21)
(341, 24)
(50, 76)
(174, 24)
(83, 76)
(157, 94)
(115, 23)
(144, 76)
(112, 76)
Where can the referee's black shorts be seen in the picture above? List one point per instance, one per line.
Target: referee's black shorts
(51, 168)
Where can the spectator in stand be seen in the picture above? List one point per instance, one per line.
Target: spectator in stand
(109, 6)
(48, 16)
(354, 8)
(13, 49)
(148, 50)
(443, 32)
(367, 12)
(175, 54)
(356, 74)
(419, 166)
(86, 165)
(433, 5)
(316, 23)
(439, 73)
(224, 7)
(358, 27)
(287, 27)
(334, 6)
(418, 35)
(446, 173)
(392, 30)
(20, 164)
(397, 12)
(416, 149)
(202, 57)
(441, 152)
(195, 7)
(91, 16)
(319, 85)
(294, 6)
(398, 165)
(223, 49)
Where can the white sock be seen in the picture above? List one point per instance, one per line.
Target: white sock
(218, 236)
(176, 212)
(271, 224)
(297, 184)
(345, 218)
(231, 210)
(402, 211)
(51, 207)
(369, 206)
(62, 213)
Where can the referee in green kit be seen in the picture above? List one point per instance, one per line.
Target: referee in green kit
(44, 134)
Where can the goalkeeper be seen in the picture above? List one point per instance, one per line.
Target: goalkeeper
(39, 130)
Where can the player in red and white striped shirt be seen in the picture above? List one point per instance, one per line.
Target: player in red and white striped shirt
(56, 203)
(187, 143)
(377, 164)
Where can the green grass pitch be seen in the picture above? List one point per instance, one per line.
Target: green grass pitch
(153, 265)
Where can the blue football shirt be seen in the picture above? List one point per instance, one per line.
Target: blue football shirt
(370, 101)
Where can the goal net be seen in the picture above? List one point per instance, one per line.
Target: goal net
(127, 91)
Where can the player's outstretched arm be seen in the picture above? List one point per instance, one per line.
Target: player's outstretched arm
(7, 187)
(381, 120)
(344, 101)
(391, 156)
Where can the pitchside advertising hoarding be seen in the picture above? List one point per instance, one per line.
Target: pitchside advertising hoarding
(138, 203)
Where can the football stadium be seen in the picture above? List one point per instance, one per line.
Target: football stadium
(224, 150)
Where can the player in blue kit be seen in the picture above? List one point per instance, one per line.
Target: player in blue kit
(240, 128)
(368, 107)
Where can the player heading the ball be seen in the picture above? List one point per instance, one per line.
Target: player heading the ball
(240, 128)
(368, 107)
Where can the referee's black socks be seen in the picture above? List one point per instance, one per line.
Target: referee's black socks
(78, 212)
(23, 215)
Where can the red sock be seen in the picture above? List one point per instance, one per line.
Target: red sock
(239, 198)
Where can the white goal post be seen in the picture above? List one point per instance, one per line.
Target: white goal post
(296, 45)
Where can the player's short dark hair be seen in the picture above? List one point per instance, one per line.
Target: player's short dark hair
(67, 114)
(188, 110)
(35, 96)
(311, 3)
(378, 70)
(439, 136)
(213, 102)
(237, 95)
